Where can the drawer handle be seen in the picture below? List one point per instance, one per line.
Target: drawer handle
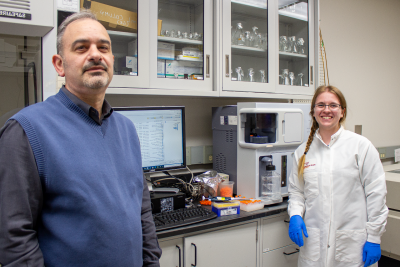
(297, 251)
(195, 255)
(179, 255)
(286, 221)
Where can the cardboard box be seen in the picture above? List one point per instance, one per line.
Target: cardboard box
(159, 27)
(113, 15)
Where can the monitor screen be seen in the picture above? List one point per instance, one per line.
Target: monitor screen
(161, 132)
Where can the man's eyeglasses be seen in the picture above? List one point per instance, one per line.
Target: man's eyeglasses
(332, 106)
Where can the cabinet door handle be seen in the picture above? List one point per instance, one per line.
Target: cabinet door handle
(207, 66)
(311, 75)
(227, 66)
(297, 251)
(195, 255)
(179, 255)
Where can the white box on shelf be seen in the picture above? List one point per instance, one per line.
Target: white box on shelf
(183, 67)
(166, 51)
(132, 48)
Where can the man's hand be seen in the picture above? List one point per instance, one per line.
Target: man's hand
(371, 253)
(296, 227)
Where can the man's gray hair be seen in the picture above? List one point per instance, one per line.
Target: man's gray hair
(74, 17)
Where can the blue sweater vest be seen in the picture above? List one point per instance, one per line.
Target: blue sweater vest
(92, 185)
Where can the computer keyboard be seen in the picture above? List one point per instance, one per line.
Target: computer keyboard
(180, 217)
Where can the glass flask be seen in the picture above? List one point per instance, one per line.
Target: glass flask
(262, 76)
(301, 78)
(247, 41)
(285, 74)
(253, 36)
(291, 77)
(251, 75)
(293, 44)
(300, 46)
(283, 44)
(239, 35)
(239, 73)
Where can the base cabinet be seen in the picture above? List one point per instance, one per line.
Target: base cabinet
(235, 246)
(172, 252)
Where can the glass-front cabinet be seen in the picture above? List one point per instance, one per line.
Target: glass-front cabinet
(181, 40)
(121, 19)
(296, 39)
(210, 47)
(267, 47)
(247, 48)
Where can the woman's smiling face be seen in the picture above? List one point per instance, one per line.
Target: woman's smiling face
(328, 118)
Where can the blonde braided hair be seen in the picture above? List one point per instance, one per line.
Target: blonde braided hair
(315, 126)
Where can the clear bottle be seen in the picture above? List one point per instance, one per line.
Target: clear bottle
(239, 35)
(271, 184)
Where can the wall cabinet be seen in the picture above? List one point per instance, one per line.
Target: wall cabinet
(212, 48)
(231, 246)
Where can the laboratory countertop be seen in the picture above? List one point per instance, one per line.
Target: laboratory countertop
(225, 220)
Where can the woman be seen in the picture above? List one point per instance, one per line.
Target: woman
(338, 186)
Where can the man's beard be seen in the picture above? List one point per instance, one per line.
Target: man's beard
(95, 80)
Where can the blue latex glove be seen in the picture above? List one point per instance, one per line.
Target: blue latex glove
(295, 230)
(371, 253)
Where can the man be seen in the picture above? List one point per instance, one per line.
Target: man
(71, 185)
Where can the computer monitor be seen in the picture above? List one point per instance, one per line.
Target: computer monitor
(161, 132)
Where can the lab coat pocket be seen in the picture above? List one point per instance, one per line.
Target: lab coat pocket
(311, 189)
(349, 245)
(311, 249)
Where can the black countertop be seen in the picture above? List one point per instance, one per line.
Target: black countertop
(225, 220)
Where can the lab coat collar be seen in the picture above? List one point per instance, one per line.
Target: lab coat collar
(334, 137)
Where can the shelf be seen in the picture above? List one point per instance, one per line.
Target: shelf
(252, 3)
(122, 36)
(249, 51)
(179, 40)
(289, 56)
(300, 11)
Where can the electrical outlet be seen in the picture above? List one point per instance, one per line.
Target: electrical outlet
(383, 155)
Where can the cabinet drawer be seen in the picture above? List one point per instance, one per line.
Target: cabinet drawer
(283, 257)
(275, 233)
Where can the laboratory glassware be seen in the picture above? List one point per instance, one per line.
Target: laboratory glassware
(239, 35)
(300, 46)
(251, 74)
(283, 43)
(239, 73)
(285, 74)
(262, 76)
(301, 78)
(293, 44)
(291, 77)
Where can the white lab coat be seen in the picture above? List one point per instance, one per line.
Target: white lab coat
(342, 199)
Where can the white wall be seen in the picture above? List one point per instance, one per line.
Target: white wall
(362, 40)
